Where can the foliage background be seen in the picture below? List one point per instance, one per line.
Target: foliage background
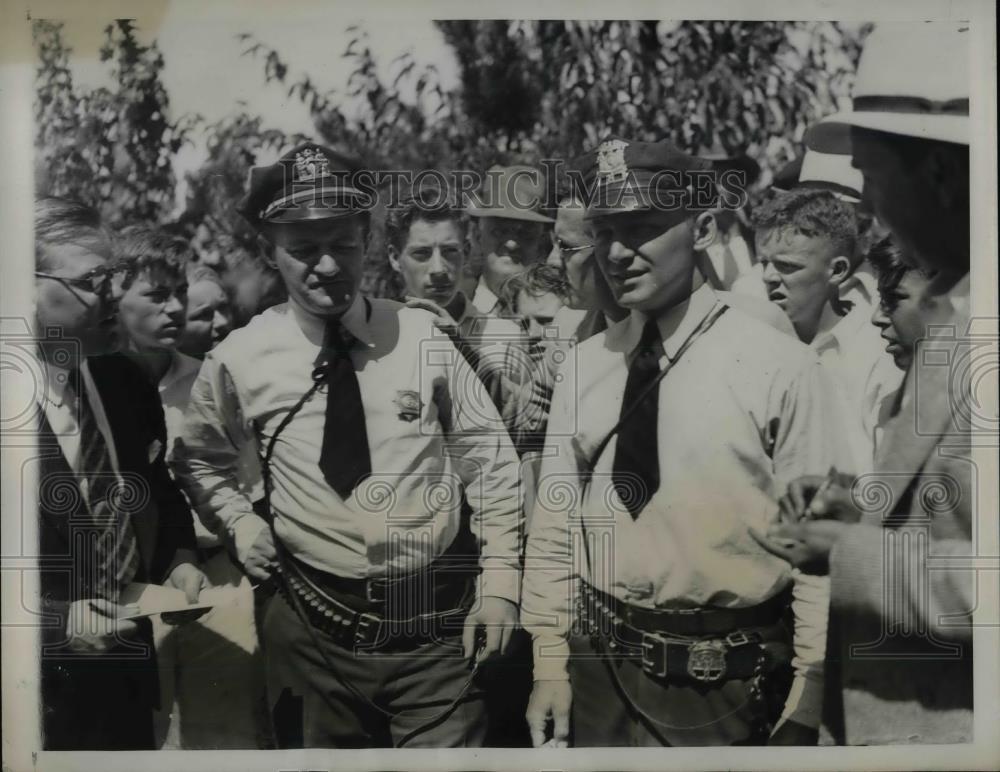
(527, 90)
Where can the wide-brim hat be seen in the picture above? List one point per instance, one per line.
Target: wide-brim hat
(510, 193)
(912, 80)
(309, 182)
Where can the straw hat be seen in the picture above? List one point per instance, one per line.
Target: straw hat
(913, 80)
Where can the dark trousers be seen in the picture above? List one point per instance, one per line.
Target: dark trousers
(99, 702)
(399, 692)
(605, 714)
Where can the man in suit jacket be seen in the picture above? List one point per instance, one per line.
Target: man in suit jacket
(108, 512)
(900, 643)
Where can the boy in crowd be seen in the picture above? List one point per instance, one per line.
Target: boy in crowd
(210, 670)
(209, 312)
(536, 298)
(807, 243)
(427, 246)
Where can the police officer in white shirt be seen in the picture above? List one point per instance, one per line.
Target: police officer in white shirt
(372, 427)
(674, 440)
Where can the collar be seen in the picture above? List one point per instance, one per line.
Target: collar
(56, 389)
(676, 324)
(180, 366)
(845, 330)
(485, 299)
(357, 320)
(861, 287)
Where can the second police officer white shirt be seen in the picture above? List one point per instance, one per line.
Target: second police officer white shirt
(413, 382)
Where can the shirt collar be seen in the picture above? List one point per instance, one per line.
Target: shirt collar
(357, 320)
(845, 330)
(180, 366)
(485, 299)
(861, 287)
(678, 322)
(56, 389)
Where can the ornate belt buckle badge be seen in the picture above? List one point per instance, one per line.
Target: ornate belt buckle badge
(707, 661)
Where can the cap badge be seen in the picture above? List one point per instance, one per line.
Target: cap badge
(309, 165)
(611, 160)
(408, 404)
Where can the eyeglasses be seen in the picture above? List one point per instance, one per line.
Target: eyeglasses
(565, 251)
(97, 281)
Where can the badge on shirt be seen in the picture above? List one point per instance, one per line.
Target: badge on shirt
(409, 405)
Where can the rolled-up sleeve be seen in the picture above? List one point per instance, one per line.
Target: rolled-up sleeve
(808, 441)
(207, 459)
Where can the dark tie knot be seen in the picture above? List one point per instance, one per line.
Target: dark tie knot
(650, 347)
(336, 346)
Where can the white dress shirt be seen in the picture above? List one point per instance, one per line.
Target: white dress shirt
(486, 300)
(432, 430)
(175, 393)
(741, 414)
(61, 408)
(864, 379)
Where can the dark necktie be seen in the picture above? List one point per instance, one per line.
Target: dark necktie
(636, 467)
(345, 459)
(112, 550)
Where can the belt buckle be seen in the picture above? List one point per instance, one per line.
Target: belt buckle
(367, 630)
(739, 638)
(707, 661)
(651, 644)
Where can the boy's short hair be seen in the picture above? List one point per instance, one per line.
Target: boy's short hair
(63, 221)
(814, 214)
(429, 202)
(540, 279)
(141, 248)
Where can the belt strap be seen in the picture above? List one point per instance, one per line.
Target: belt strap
(438, 585)
(694, 622)
(355, 628)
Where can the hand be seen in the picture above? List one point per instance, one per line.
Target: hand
(498, 617)
(187, 578)
(444, 320)
(806, 545)
(261, 558)
(793, 733)
(92, 625)
(549, 700)
(811, 497)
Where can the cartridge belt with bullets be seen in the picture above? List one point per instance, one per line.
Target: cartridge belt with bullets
(396, 614)
(702, 646)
